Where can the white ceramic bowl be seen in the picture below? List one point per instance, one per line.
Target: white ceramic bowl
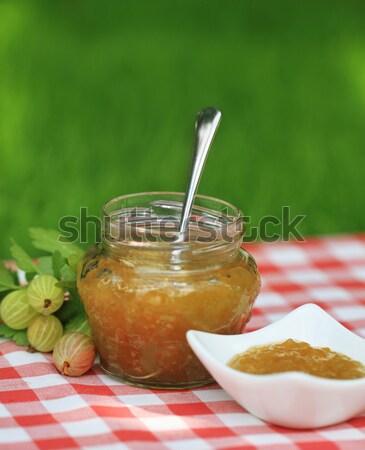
(290, 399)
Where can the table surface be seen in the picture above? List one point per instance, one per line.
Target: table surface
(41, 409)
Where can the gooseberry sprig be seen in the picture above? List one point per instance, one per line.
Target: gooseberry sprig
(38, 312)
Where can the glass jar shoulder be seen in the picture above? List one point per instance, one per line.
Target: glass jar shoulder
(99, 268)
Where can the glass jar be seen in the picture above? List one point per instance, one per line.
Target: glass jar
(145, 286)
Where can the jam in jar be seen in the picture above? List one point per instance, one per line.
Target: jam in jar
(145, 286)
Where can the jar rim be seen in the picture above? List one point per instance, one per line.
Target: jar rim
(136, 210)
(114, 200)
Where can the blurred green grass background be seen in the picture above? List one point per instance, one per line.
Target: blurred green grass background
(98, 99)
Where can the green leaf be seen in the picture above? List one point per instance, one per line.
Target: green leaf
(73, 260)
(29, 276)
(6, 279)
(67, 274)
(70, 308)
(45, 265)
(52, 265)
(49, 241)
(58, 262)
(67, 285)
(6, 331)
(22, 259)
(19, 337)
(68, 279)
(79, 324)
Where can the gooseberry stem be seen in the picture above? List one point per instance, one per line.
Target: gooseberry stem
(65, 366)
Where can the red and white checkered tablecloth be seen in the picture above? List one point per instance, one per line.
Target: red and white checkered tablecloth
(42, 410)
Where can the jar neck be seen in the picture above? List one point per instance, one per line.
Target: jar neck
(189, 256)
(143, 229)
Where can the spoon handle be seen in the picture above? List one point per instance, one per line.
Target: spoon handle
(206, 124)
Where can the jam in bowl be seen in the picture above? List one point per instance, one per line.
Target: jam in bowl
(144, 286)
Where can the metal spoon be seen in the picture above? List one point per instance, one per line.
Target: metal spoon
(206, 125)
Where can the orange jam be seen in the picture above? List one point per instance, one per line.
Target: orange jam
(139, 313)
(147, 284)
(292, 355)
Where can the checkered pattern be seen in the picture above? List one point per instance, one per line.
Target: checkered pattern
(42, 410)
